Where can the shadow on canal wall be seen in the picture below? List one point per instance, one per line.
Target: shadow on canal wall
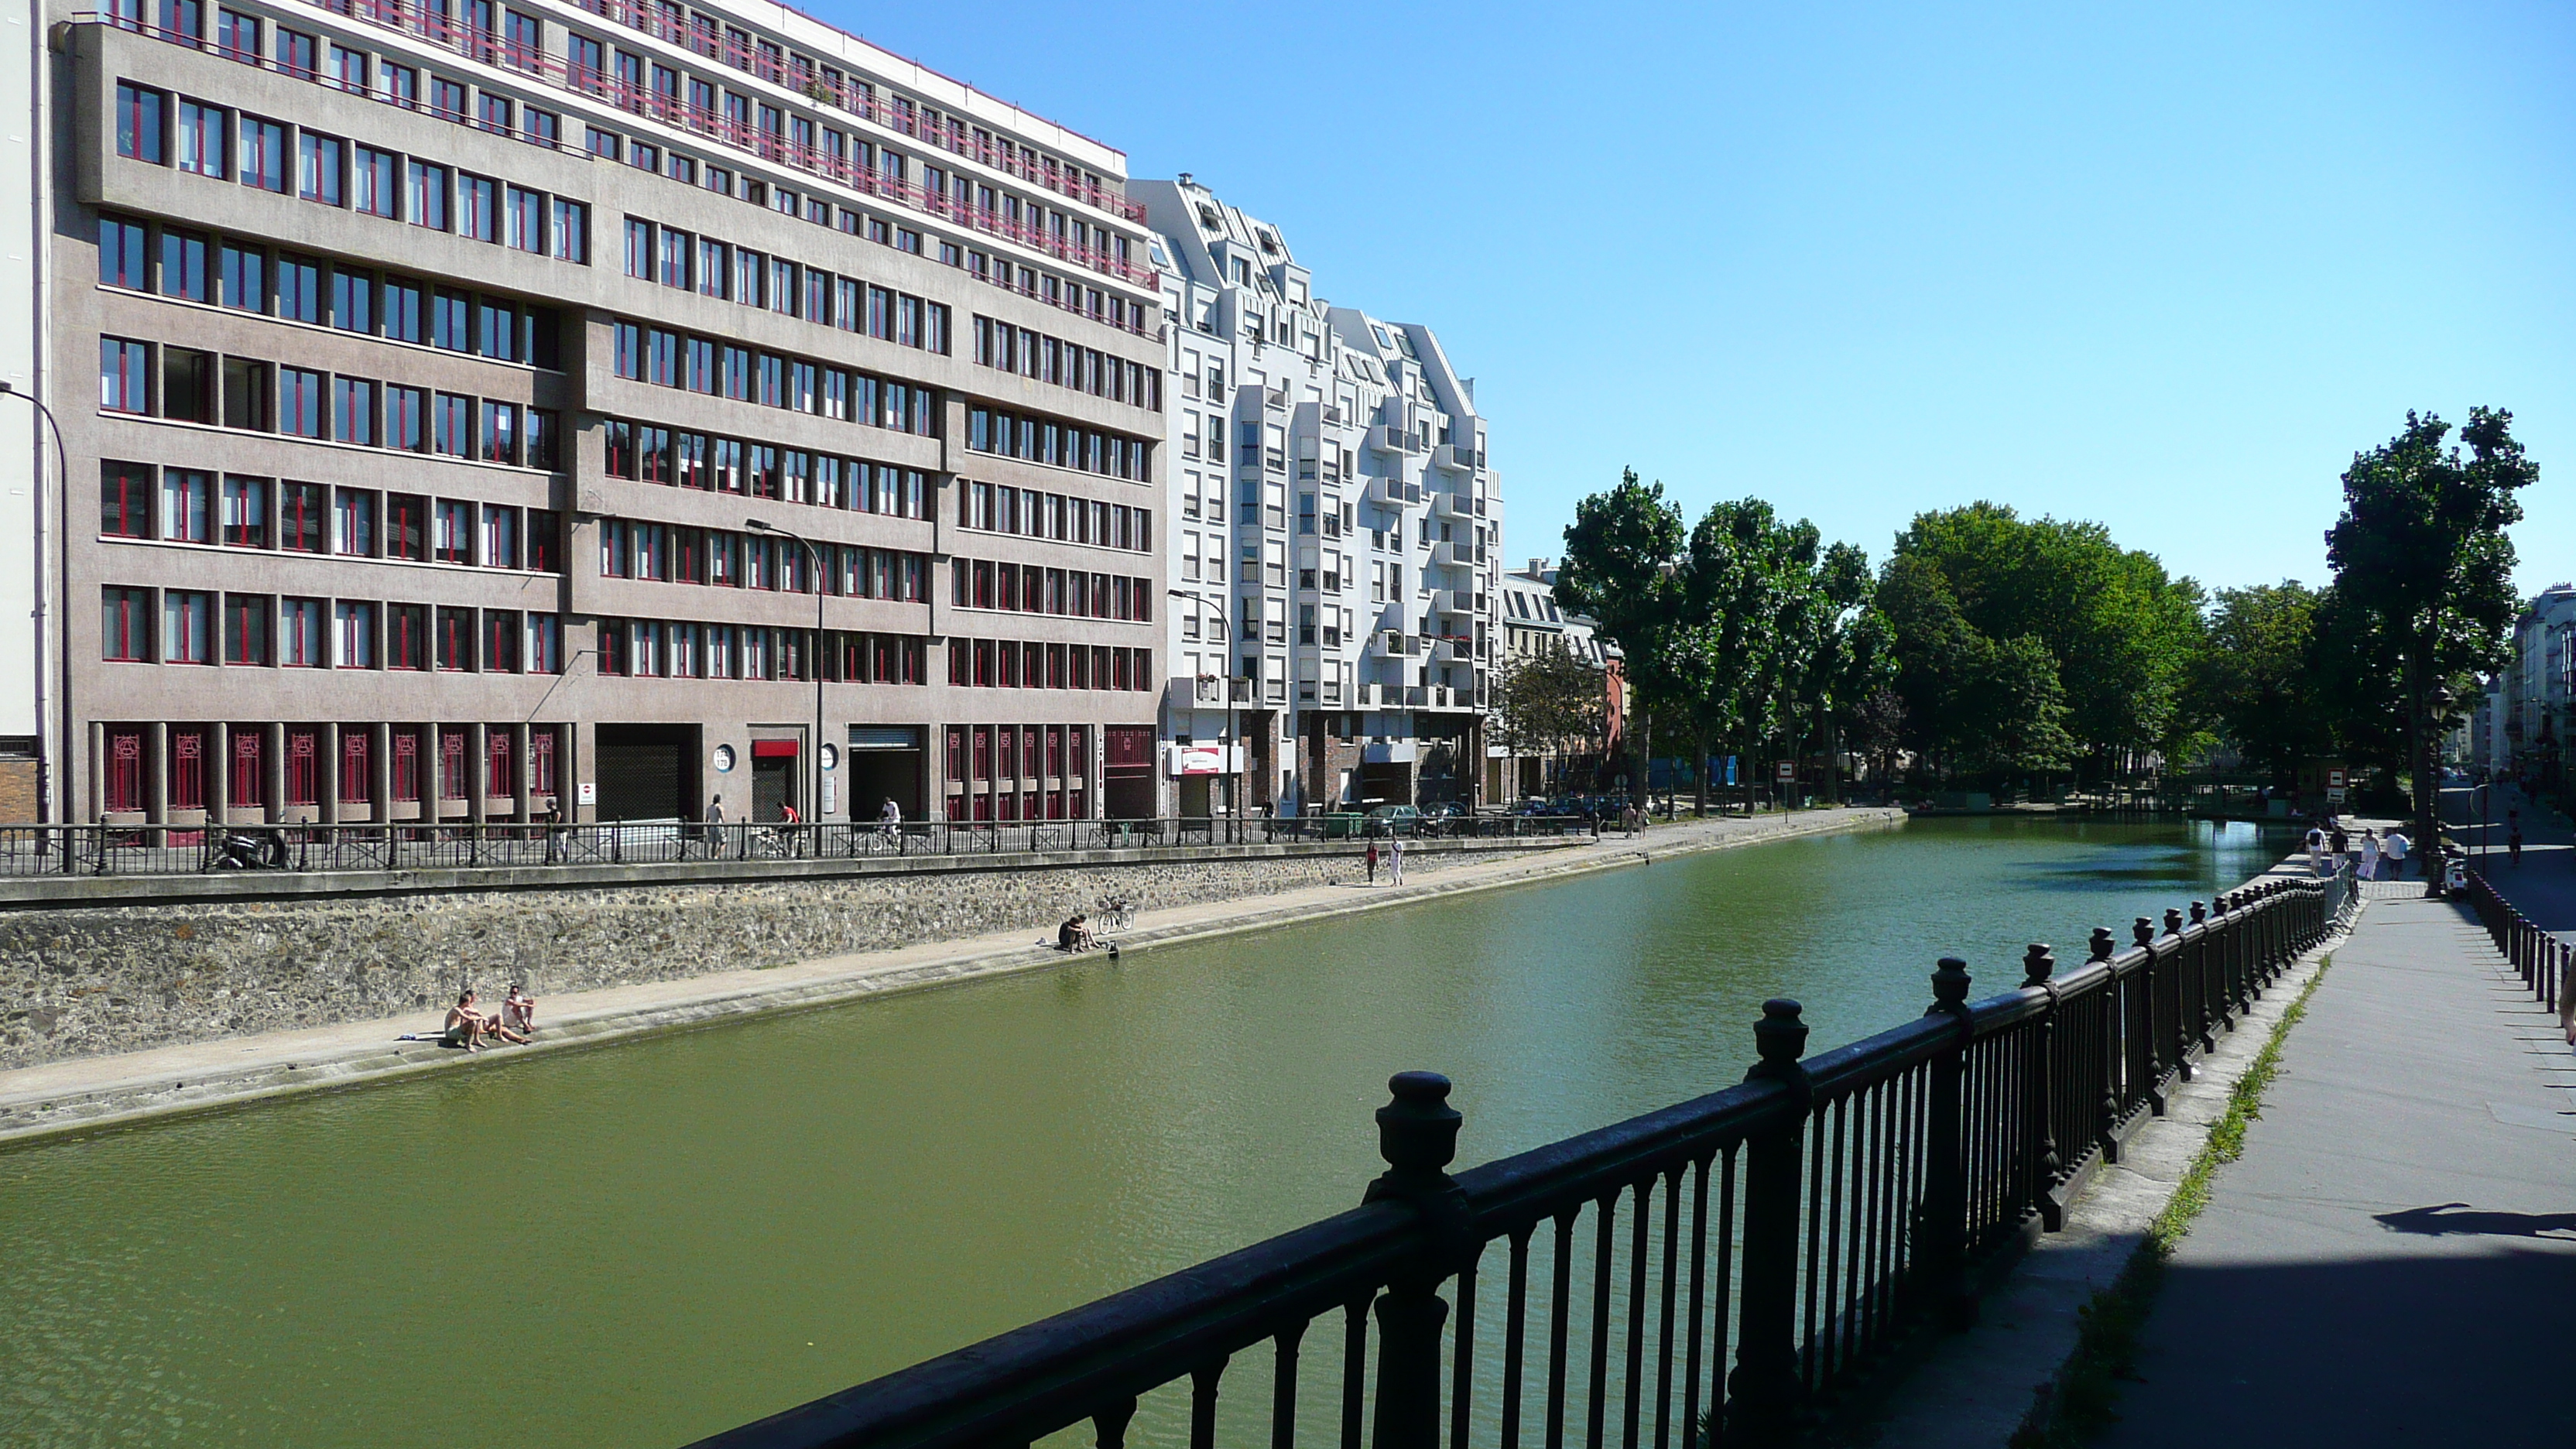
(90, 981)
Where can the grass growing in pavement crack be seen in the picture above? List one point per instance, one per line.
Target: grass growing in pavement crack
(2077, 1406)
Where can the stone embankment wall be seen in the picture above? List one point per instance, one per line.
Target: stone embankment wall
(85, 981)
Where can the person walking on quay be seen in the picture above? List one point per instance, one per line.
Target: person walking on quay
(2392, 853)
(2369, 854)
(2513, 834)
(714, 823)
(1395, 861)
(1372, 862)
(2316, 850)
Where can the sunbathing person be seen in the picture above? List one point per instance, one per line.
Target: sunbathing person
(464, 1024)
(519, 1009)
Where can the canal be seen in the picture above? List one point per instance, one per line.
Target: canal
(642, 1244)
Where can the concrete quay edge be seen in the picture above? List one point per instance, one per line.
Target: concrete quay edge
(102, 1093)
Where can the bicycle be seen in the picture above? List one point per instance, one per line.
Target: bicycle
(767, 844)
(1116, 913)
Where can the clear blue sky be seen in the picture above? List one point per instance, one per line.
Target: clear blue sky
(2166, 267)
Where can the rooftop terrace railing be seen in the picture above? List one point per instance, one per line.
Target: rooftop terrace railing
(148, 850)
(1804, 1222)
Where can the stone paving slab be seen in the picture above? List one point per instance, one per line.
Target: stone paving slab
(94, 1092)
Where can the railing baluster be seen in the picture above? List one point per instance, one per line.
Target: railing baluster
(1283, 1386)
(1515, 1329)
(1354, 1370)
(1604, 1261)
(1637, 1240)
(1698, 1303)
(1664, 1336)
(1559, 1310)
(1203, 1380)
(1109, 1423)
(1765, 1392)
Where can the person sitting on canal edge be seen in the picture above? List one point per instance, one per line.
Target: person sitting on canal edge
(1074, 934)
(464, 1024)
(519, 1009)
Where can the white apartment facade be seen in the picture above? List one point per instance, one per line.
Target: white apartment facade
(1531, 623)
(2526, 717)
(1334, 541)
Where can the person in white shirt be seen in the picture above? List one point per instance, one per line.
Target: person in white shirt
(2369, 855)
(2394, 848)
(2316, 850)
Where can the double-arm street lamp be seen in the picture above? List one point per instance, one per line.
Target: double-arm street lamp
(1233, 734)
(814, 770)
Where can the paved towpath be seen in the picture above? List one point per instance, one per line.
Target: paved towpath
(94, 1091)
(2543, 885)
(2393, 1260)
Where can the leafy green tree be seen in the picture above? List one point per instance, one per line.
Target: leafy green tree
(1551, 701)
(2122, 635)
(2255, 676)
(1744, 581)
(1622, 567)
(2424, 576)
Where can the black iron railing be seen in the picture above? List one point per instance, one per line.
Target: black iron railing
(27, 850)
(2543, 961)
(1801, 1223)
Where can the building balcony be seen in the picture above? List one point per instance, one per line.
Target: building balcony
(1445, 504)
(1394, 492)
(1385, 439)
(1455, 457)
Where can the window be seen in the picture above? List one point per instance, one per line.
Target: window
(545, 644)
(187, 505)
(524, 219)
(124, 376)
(353, 298)
(124, 500)
(500, 537)
(202, 133)
(245, 277)
(543, 425)
(425, 203)
(185, 270)
(141, 122)
(263, 154)
(374, 182)
(545, 541)
(245, 511)
(453, 539)
(353, 410)
(246, 631)
(406, 526)
(299, 403)
(569, 238)
(406, 311)
(353, 643)
(457, 647)
(353, 523)
(501, 633)
(407, 636)
(407, 419)
(319, 168)
(247, 403)
(450, 319)
(299, 288)
(126, 624)
(301, 510)
(187, 627)
(299, 633)
(452, 425)
(478, 207)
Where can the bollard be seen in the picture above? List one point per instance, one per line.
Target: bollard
(1417, 1134)
(1766, 1393)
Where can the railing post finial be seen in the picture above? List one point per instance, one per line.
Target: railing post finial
(2173, 921)
(2199, 913)
(2102, 944)
(2143, 931)
(1949, 987)
(1417, 1134)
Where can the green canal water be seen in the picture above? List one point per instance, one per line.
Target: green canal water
(643, 1244)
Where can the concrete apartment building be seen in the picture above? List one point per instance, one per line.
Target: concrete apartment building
(511, 405)
(1334, 539)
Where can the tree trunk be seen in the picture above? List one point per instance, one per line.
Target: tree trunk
(1699, 769)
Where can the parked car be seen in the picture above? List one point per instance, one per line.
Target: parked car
(1395, 820)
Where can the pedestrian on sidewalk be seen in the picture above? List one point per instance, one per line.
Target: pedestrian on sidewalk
(2392, 849)
(1395, 861)
(1372, 862)
(2316, 850)
(2369, 854)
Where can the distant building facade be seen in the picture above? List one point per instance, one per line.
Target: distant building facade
(1532, 623)
(2522, 725)
(1334, 536)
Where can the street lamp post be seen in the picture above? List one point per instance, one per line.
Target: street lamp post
(814, 795)
(1233, 733)
(50, 769)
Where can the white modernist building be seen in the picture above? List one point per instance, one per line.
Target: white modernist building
(1334, 542)
(2522, 725)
